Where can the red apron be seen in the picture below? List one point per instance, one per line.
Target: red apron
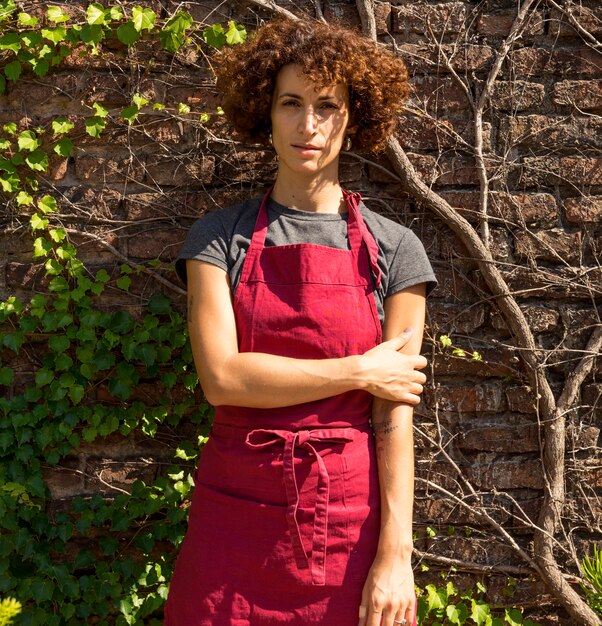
(284, 520)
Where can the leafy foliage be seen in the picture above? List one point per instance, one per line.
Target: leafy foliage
(446, 606)
(592, 570)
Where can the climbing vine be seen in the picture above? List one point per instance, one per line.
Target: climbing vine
(101, 559)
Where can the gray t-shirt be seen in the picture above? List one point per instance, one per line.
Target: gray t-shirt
(223, 237)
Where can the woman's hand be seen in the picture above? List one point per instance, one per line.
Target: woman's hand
(389, 374)
(388, 597)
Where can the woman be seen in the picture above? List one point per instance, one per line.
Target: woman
(290, 298)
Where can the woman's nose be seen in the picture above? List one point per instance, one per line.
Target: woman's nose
(309, 121)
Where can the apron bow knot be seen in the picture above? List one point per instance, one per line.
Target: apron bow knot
(262, 438)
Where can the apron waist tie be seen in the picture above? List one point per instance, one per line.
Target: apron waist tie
(263, 438)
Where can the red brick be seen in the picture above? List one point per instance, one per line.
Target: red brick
(582, 438)
(512, 439)
(110, 89)
(437, 94)
(454, 285)
(496, 362)
(553, 284)
(532, 208)
(424, 164)
(540, 131)
(248, 166)
(457, 171)
(520, 399)
(516, 95)
(107, 476)
(446, 17)
(117, 168)
(569, 170)
(99, 203)
(30, 277)
(90, 250)
(540, 318)
(344, 14)
(499, 24)
(167, 205)
(583, 209)
(436, 510)
(421, 132)
(173, 170)
(488, 471)
(580, 94)
(157, 244)
(65, 480)
(423, 58)
(467, 398)
(550, 245)
(439, 472)
(590, 18)
(560, 61)
(456, 318)
(487, 551)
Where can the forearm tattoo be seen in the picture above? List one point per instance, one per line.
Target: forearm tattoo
(385, 427)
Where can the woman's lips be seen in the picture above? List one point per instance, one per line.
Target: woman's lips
(305, 148)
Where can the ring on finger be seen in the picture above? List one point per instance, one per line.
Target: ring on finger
(400, 621)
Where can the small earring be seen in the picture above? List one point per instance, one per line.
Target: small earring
(347, 145)
(270, 141)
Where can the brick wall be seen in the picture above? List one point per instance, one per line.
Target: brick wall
(140, 188)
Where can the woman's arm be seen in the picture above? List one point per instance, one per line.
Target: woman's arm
(262, 380)
(390, 584)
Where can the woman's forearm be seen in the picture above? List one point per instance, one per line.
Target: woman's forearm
(392, 424)
(262, 380)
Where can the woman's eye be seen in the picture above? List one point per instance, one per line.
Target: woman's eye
(329, 105)
(288, 103)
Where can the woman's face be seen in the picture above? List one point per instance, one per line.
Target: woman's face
(308, 124)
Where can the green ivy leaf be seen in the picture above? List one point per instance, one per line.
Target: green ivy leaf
(59, 343)
(41, 68)
(514, 617)
(457, 613)
(37, 222)
(481, 613)
(24, 19)
(56, 15)
(172, 34)
(55, 35)
(100, 110)
(24, 198)
(445, 341)
(91, 34)
(6, 376)
(10, 41)
(235, 34)
(214, 36)
(124, 282)
(437, 598)
(94, 126)
(143, 18)
(47, 204)
(95, 13)
(28, 140)
(130, 113)
(61, 125)
(37, 160)
(10, 128)
(44, 377)
(10, 182)
(128, 34)
(76, 393)
(159, 304)
(64, 147)
(13, 70)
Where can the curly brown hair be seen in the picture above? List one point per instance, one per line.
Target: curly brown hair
(327, 54)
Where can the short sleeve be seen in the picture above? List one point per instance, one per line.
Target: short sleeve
(206, 241)
(410, 266)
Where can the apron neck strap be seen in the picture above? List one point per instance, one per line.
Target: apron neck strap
(356, 229)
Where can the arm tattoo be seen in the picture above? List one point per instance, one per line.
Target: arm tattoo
(385, 427)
